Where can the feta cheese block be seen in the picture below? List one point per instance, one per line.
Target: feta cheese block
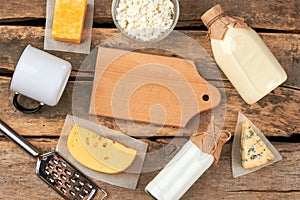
(108, 152)
(68, 20)
(254, 151)
(81, 155)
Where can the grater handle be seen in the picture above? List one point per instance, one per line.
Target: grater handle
(18, 139)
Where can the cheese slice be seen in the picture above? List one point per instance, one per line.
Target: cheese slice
(112, 154)
(254, 151)
(68, 21)
(81, 155)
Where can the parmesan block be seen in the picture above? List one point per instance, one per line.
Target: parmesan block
(68, 20)
(254, 151)
(81, 155)
(112, 154)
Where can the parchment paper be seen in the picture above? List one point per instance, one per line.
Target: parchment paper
(84, 46)
(128, 178)
(237, 169)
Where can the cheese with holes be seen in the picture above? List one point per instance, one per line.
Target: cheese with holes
(254, 151)
(112, 154)
(81, 155)
(68, 20)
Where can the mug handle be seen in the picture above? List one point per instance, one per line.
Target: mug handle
(21, 108)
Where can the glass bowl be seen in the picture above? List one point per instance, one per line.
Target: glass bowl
(164, 32)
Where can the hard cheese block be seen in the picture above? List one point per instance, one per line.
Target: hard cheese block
(79, 152)
(113, 154)
(68, 20)
(254, 151)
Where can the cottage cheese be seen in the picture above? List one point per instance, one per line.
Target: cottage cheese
(145, 19)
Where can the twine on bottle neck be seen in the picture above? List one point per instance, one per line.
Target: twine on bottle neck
(212, 140)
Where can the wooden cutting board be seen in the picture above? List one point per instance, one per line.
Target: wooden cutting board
(149, 88)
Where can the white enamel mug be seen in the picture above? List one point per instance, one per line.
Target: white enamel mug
(39, 76)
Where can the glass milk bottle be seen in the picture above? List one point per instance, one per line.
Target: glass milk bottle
(242, 55)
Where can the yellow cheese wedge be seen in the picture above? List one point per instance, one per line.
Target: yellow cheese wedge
(68, 21)
(254, 151)
(112, 154)
(79, 153)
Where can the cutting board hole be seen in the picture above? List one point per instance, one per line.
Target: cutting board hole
(205, 97)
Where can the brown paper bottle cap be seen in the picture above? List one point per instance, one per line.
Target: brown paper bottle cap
(217, 22)
(213, 14)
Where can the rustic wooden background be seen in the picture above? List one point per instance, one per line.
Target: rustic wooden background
(277, 115)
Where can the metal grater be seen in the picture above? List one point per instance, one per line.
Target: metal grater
(56, 171)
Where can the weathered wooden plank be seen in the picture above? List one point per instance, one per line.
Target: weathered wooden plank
(278, 181)
(280, 15)
(13, 39)
(276, 115)
(22, 10)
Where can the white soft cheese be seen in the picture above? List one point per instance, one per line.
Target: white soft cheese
(145, 19)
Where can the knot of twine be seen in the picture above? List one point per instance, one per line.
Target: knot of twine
(222, 21)
(213, 20)
(210, 142)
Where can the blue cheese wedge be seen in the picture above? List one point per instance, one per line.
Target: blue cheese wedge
(254, 151)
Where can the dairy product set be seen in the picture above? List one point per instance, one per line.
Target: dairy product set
(238, 50)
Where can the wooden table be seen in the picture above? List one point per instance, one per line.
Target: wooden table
(277, 115)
